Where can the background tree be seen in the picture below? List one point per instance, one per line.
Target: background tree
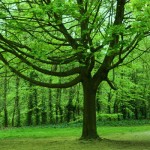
(5, 98)
(16, 105)
(88, 38)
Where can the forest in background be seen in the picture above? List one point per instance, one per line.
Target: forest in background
(24, 104)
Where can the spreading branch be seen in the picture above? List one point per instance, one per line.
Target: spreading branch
(39, 83)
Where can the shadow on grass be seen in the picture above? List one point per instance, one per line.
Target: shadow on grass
(121, 141)
(72, 144)
(128, 143)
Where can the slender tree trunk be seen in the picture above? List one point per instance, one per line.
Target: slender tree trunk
(58, 92)
(89, 130)
(16, 105)
(51, 100)
(98, 103)
(136, 113)
(30, 110)
(5, 101)
(70, 107)
(116, 107)
(51, 116)
(43, 112)
(58, 109)
(36, 110)
(78, 101)
(109, 100)
(17, 102)
(30, 103)
(13, 115)
(50, 104)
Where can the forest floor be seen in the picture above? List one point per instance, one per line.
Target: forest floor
(114, 138)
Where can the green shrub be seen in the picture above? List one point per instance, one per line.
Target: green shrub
(111, 117)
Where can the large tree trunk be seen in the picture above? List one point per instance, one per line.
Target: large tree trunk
(89, 130)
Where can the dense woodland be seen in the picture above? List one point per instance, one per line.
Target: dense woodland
(65, 61)
(25, 104)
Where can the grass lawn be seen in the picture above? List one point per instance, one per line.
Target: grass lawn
(48, 138)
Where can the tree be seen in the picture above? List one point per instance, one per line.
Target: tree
(16, 110)
(5, 99)
(87, 38)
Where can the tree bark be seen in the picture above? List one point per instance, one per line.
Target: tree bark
(30, 110)
(35, 106)
(57, 107)
(43, 112)
(5, 100)
(70, 108)
(16, 110)
(50, 105)
(89, 130)
(78, 101)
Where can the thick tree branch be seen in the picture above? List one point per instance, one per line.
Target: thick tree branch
(66, 34)
(111, 84)
(12, 43)
(119, 12)
(52, 60)
(103, 70)
(73, 71)
(43, 84)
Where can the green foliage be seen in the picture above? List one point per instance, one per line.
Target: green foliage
(105, 117)
(2, 15)
(142, 14)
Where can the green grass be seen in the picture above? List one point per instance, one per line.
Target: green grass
(48, 132)
(48, 138)
(39, 132)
